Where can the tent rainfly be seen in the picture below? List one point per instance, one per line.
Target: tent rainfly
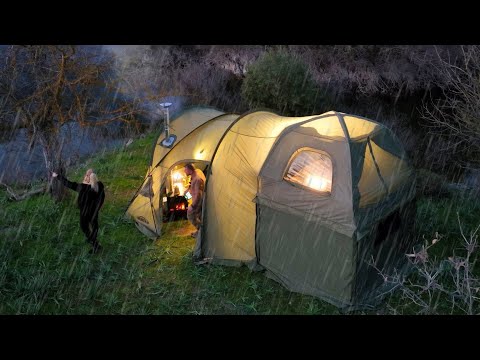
(320, 203)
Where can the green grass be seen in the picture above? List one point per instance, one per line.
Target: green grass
(45, 267)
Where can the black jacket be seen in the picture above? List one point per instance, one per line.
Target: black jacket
(89, 201)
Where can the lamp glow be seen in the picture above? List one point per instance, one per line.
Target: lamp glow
(318, 183)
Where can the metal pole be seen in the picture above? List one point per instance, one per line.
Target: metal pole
(168, 125)
(169, 139)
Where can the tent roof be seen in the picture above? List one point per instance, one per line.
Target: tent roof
(189, 120)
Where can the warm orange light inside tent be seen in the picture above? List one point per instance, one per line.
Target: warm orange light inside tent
(178, 183)
(311, 169)
(318, 183)
(180, 207)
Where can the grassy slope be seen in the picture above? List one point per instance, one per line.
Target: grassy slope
(45, 267)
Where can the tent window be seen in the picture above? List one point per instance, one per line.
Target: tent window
(312, 170)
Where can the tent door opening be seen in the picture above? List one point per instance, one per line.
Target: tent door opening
(174, 192)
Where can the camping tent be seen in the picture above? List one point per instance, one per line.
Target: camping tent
(310, 200)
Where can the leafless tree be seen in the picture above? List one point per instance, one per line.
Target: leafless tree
(372, 70)
(44, 87)
(456, 116)
(205, 74)
(234, 58)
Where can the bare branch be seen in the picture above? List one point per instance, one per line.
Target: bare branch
(25, 195)
(430, 284)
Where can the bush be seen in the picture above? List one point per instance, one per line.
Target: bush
(449, 284)
(210, 85)
(431, 184)
(281, 82)
(454, 117)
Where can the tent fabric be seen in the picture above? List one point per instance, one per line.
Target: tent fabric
(318, 262)
(184, 124)
(325, 127)
(337, 208)
(382, 174)
(230, 191)
(359, 128)
(142, 211)
(233, 183)
(387, 251)
(256, 213)
(201, 143)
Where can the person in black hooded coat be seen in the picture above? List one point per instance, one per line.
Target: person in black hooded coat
(91, 196)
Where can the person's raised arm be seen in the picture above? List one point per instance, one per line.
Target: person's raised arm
(70, 184)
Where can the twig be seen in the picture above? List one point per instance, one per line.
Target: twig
(23, 196)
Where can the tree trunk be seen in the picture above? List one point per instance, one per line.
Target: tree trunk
(57, 190)
(52, 155)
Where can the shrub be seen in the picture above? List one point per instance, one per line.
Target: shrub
(439, 285)
(281, 82)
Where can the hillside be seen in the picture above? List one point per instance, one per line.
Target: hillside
(45, 267)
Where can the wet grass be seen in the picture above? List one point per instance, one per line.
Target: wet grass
(445, 216)
(45, 267)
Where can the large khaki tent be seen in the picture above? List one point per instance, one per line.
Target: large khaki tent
(311, 200)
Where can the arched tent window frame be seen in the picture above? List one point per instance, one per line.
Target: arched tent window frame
(322, 194)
